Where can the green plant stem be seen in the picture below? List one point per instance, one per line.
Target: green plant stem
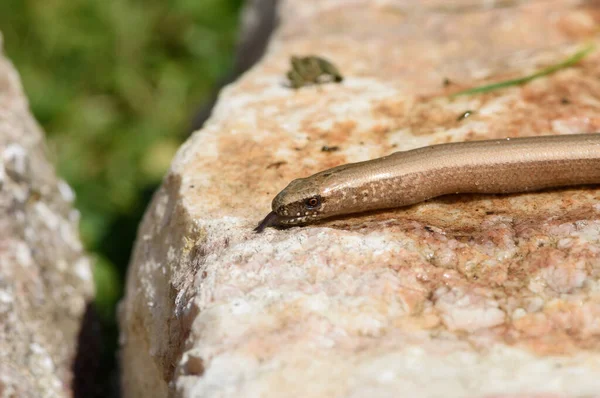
(572, 60)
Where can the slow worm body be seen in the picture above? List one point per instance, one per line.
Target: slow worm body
(405, 178)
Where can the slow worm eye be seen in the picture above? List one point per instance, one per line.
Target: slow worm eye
(313, 202)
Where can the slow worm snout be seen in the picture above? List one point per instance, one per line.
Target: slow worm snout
(405, 178)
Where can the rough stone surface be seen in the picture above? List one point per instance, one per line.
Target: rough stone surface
(45, 278)
(482, 296)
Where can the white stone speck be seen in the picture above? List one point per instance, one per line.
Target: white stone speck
(65, 191)
(46, 215)
(518, 314)
(6, 297)
(23, 255)
(82, 269)
(15, 159)
(43, 360)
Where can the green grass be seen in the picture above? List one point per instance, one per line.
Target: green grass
(115, 85)
(570, 61)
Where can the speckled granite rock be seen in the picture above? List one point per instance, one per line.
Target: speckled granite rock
(45, 278)
(480, 296)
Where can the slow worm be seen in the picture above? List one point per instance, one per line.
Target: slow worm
(404, 178)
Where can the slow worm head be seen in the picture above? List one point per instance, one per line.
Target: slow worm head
(405, 178)
(302, 200)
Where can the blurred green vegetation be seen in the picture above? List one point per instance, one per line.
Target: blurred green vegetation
(115, 85)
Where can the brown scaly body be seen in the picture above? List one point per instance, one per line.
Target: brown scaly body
(404, 178)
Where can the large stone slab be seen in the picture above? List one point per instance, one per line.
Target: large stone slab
(459, 296)
(45, 277)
